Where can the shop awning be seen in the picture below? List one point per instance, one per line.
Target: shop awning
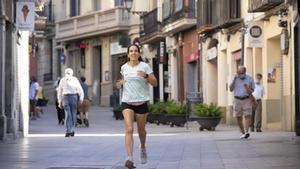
(237, 55)
(192, 57)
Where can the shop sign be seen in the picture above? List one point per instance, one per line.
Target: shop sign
(162, 57)
(212, 53)
(115, 49)
(284, 42)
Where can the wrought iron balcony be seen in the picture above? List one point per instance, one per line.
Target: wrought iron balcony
(178, 15)
(96, 23)
(263, 5)
(214, 14)
(151, 27)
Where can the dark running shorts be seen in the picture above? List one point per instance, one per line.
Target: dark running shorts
(140, 109)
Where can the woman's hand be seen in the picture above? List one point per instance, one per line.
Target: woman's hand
(149, 77)
(142, 74)
(120, 83)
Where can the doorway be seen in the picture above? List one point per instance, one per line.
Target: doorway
(97, 75)
(74, 62)
(192, 77)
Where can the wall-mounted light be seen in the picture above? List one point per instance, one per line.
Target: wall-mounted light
(282, 18)
(128, 5)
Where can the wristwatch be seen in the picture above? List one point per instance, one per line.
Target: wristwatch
(146, 76)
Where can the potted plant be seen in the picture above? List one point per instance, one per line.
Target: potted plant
(117, 110)
(176, 113)
(157, 113)
(209, 115)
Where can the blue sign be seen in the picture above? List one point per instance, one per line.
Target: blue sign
(62, 58)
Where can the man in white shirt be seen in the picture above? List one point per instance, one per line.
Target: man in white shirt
(256, 113)
(67, 95)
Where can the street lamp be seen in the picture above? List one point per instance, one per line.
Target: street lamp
(135, 7)
(128, 5)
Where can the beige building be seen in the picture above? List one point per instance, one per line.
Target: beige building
(250, 35)
(91, 38)
(169, 36)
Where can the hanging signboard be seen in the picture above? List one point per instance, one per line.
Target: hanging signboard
(25, 16)
(254, 35)
(212, 53)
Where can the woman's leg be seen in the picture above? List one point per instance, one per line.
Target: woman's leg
(128, 122)
(141, 120)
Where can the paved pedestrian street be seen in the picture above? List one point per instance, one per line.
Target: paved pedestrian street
(101, 146)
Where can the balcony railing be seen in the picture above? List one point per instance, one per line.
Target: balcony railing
(97, 23)
(263, 5)
(178, 15)
(215, 14)
(174, 10)
(150, 23)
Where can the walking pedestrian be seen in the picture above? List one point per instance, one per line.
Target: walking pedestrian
(40, 101)
(257, 109)
(85, 105)
(69, 90)
(243, 86)
(33, 90)
(136, 75)
(60, 111)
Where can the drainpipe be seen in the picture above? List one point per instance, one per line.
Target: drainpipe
(3, 124)
(243, 32)
(200, 67)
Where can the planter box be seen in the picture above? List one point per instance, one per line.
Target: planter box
(178, 120)
(209, 123)
(162, 119)
(152, 117)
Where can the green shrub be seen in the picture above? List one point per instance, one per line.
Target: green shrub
(117, 107)
(175, 108)
(207, 110)
(157, 108)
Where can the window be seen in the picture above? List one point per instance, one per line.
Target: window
(166, 9)
(74, 5)
(178, 5)
(97, 5)
(119, 2)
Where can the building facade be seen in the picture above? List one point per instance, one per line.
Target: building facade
(169, 36)
(91, 38)
(296, 25)
(255, 34)
(10, 113)
(42, 64)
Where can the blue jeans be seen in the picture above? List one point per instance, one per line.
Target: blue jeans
(70, 106)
